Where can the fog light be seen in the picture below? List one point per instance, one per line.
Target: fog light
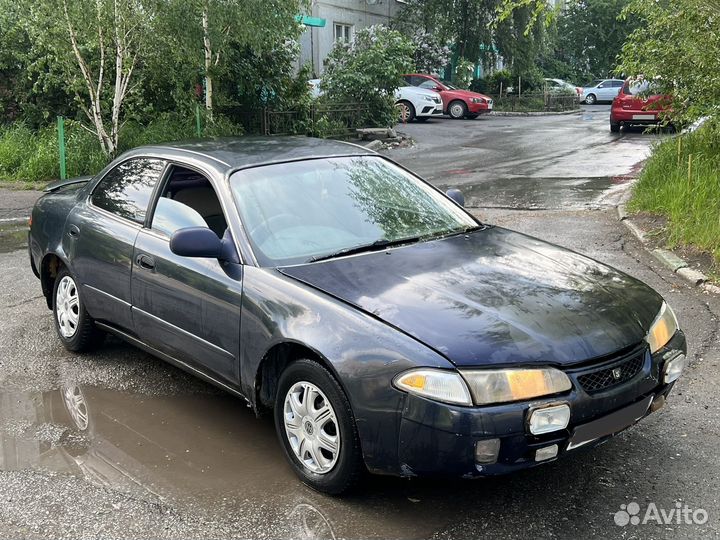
(487, 451)
(549, 419)
(674, 368)
(548, 452)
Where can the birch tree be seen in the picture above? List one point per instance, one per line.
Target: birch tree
(96, 48)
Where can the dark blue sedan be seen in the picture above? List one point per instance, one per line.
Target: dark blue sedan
(384, 327)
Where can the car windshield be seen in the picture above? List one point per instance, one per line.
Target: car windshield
(449, 86)
(302, 211)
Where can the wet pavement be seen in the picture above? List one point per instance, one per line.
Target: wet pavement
(532, 163)
(118, 444)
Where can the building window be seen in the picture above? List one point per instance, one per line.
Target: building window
(343, 32)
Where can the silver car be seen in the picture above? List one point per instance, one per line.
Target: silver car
(602, 90)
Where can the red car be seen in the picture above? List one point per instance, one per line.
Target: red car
(457, 103)
(637, 105)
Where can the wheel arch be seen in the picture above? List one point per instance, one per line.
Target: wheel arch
(50, 265)
(274, 361)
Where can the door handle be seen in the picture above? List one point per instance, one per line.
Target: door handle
(145, 261)
(73, 230)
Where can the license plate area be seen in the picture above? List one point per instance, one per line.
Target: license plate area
(609, 424)
(643, 117)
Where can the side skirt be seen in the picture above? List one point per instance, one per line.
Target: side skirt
(170, 360)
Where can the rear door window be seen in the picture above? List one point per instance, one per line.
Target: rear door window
(127, 189)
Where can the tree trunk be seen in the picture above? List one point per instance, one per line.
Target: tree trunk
(208, 59)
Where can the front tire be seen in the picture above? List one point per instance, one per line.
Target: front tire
(316, 428)
(406, 111)
(590, 99)
(457, 109)
(74, 326)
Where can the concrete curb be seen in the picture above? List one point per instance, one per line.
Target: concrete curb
(538, 113)
(678, 265)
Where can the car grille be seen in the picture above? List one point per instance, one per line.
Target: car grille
(618, 373)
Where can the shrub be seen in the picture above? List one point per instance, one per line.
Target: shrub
(368, 72)
(34, 157)
(463, 73)
(681, 180)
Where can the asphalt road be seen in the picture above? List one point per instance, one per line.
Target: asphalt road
(119, 445)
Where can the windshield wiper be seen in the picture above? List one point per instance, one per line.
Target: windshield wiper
(382, 243)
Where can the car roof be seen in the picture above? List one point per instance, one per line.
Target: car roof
(227, 154)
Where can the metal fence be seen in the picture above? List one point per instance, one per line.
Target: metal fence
(535, 102)
(332, 120)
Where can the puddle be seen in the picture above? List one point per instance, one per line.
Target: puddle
(199, 452)
(530, 193)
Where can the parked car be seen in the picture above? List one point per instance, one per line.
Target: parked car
(638, 104)
(558, 85)
(412, 103)
(384, 326)
(417, 103)
(456, 102)
(602, 90)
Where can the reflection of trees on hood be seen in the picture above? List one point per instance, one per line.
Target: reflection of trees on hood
(396, 205)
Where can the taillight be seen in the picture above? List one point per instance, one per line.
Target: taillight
(30, 222)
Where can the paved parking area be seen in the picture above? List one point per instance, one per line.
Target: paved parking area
(118, 444)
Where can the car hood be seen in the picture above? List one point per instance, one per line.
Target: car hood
(494, 297)
(469, 94)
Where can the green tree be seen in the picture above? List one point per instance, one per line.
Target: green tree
(202, 36)
(94, 49)
(368, 71)
(677, 45)
(589, 35)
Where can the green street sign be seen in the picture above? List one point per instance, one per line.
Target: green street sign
(310, 21)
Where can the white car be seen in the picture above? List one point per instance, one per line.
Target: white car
(417, 103)
(411, 101)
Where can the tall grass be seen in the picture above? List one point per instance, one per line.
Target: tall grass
(33, 156)
(681, 180)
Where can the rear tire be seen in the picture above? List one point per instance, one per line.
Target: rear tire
(312, 416)
(74, 326)
(457, 109)
(614, 127)
(590, 99)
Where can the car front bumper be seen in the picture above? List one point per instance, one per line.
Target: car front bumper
(431, 109)
(440, 439)
(480, 108)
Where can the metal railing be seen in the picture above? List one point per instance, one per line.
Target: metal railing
(536, 102)
(329, 120)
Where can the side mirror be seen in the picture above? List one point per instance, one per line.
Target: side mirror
(456, 195)
(202, 242)
(438, 89)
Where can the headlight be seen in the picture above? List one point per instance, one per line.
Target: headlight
(504, 385)
(477, 100)
(437, 384)
(662, 329)
(428, 98)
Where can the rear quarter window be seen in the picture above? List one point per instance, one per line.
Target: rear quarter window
(127, 189)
